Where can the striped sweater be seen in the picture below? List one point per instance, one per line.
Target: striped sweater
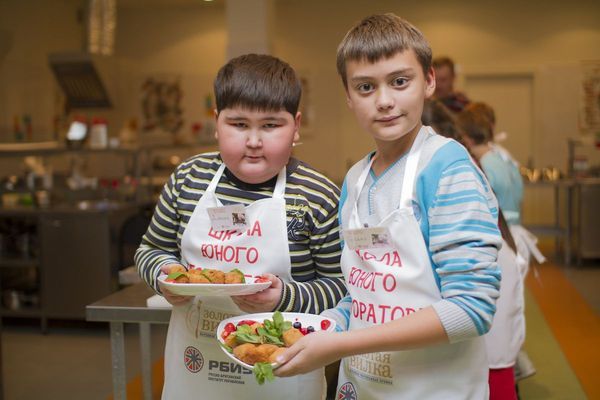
(457, 213)
(312, 227)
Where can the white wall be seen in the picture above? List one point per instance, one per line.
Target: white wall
(545, 39)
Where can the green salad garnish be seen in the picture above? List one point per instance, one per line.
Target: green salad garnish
(175, 275)
(262, 372)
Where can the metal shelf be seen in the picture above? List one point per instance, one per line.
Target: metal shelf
(23, 312)
(17, 261)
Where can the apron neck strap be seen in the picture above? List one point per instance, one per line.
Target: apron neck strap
(410, 171)
(278, 191)
(215, 180)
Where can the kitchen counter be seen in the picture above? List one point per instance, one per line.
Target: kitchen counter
(581, 226)
(69, 256)
(85, 206)
(129, 306)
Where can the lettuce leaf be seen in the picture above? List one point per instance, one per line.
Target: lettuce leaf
(245, 334)
(262, 372)
(175, 275)
(239, 272)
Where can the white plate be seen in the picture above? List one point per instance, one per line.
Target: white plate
(214, 289)
(305, 319)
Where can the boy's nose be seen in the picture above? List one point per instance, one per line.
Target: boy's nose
(384, 100)
(253, 139)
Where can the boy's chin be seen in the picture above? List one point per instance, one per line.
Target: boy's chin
(255, 175)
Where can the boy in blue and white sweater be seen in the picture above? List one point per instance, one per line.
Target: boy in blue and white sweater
(418, 302)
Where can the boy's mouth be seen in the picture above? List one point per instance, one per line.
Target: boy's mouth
(387, 119)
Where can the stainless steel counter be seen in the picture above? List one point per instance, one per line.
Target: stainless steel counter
(582, 219)
(128, 306)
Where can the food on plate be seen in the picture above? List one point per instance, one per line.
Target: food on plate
(214, 275)
(196, 276)
(259, 343)
(177, 268)
(179, 274)
(291, 336)
(235, 276)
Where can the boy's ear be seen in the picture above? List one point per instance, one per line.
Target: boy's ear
(216, 113)
(348, 100)
(297, 122)
(430, 82)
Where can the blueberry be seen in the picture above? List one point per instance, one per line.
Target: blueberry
(297, 325)
(310, 329)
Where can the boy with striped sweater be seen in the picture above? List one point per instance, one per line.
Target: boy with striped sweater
(292, 234)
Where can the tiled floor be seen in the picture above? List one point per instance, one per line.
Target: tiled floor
(73, 361)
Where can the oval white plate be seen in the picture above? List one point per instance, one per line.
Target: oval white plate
(214, 289)
(305, 319)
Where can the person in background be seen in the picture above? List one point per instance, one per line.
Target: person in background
(436, 115)
(444, 85)
(507, 332)
(292, 235)
(503, 173)
(419, 303)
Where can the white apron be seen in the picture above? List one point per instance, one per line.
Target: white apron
(526, 243)
(389, 283)
(195, 365)
(506, 336)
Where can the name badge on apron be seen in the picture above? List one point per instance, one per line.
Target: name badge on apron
(226, 218)
(367, 238)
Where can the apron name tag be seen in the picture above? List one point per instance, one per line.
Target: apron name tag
(367, 238)
(226, 218)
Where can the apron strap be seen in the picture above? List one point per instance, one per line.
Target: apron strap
(410, 172)
(357, 189)
(215, 180)
(279, 190)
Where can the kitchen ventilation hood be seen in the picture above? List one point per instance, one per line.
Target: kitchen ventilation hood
(79, 80)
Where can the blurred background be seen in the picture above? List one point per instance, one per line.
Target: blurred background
(101, 99)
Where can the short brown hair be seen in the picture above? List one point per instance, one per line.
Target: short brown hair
(439, 62)
(476, 126)
(484, 109)
(381, 36)
(257, 82)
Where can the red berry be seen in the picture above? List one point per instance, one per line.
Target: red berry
(325, 324)
(303, 331)
(227, 330)
(246, 322)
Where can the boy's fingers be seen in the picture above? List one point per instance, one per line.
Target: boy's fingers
(282, 360)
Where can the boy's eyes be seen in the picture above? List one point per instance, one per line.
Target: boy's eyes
(271, 126)
(364, 87)
(400, 81)
(244, 125)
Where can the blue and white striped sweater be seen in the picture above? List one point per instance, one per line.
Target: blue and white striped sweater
(458, 219)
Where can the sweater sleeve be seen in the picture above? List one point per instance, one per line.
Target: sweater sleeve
(463, 241)
(159, 244)
(318, 284)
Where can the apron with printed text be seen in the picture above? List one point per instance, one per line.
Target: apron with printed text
(195, 365)
(389, 283)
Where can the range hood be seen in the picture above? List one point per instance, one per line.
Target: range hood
(79, 80)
